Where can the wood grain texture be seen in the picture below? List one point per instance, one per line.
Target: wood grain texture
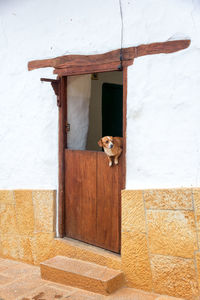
(88, 69)
(92, 198)
(125, 75)
(74, 61)
(108, 203)
(80, 195)
(61, 155)
(165, 47)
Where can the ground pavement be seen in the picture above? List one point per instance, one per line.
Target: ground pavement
(20, 281)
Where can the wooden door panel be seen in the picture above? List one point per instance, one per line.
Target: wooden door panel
(80, 182)
(108, 209)
(92, 205)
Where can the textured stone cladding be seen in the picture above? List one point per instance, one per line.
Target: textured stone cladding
(27, 231)
(27, 223)
(160, 237)
(160, 241)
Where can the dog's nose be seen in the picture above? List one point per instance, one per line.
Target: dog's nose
(111, 145)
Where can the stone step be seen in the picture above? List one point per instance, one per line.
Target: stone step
(81, 274)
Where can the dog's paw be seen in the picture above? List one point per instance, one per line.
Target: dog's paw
(110, 163)
(116, 161)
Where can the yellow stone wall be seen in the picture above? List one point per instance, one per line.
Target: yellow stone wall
(160, 237)
(27, 223)
(27, 231)
(160, 241)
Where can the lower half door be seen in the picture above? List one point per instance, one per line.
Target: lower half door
(92, 199)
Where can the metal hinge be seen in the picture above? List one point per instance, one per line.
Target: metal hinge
(67, 127)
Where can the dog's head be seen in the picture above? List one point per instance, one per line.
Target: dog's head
(106, 142)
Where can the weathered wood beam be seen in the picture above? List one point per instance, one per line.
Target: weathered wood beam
(88, 69)
(74, 60)
(71, 61)
(155, 48)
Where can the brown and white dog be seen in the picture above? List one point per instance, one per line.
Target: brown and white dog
(112, 147)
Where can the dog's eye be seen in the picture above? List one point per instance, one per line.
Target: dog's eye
(106, 142)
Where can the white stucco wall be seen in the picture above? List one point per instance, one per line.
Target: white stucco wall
(163, 127)
(34, 29)
(163, 131)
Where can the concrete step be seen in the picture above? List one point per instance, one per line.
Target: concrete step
(82, 274)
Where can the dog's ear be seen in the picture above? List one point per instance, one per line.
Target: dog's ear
(100, 143)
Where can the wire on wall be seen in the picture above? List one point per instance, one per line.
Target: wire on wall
(122, 28)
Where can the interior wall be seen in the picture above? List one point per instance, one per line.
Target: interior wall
(95, 114)
(78, 97)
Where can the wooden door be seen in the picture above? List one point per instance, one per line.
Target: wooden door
(93, 199)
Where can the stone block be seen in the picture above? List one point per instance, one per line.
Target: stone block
(22, 270)
(196, 197)
(21, 286)
(62, 247)
(25, 249)
(135, 260)
(168, 199)
(172, 233)
(198, 239)
(46, 292)
(24, 212)
(82, 274)
(79, 250)
(197, 258)
(174, 276)
(9, 246)
(168, 298)
(8, 223)
(133, 213)
(41, 245)
(5, 280)
(44, 210)
(132, 294)
(6, 197)
(110, 260)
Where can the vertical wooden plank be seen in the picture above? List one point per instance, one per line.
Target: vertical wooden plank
(66, 121)
(125, 73)
(108, 184)
(73, 188)
(61, 155)
(81, 195)
(122, 171)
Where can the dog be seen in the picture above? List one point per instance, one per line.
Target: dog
(112, 147)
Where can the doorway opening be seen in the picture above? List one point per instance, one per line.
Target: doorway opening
(94, 109)
(93, 189)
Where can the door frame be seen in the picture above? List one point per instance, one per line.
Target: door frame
(85, 64)
(62, 139)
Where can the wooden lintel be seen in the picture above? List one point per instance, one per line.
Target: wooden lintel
(128, 54)
(126, 63)
(74, 60)
(88, 69)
